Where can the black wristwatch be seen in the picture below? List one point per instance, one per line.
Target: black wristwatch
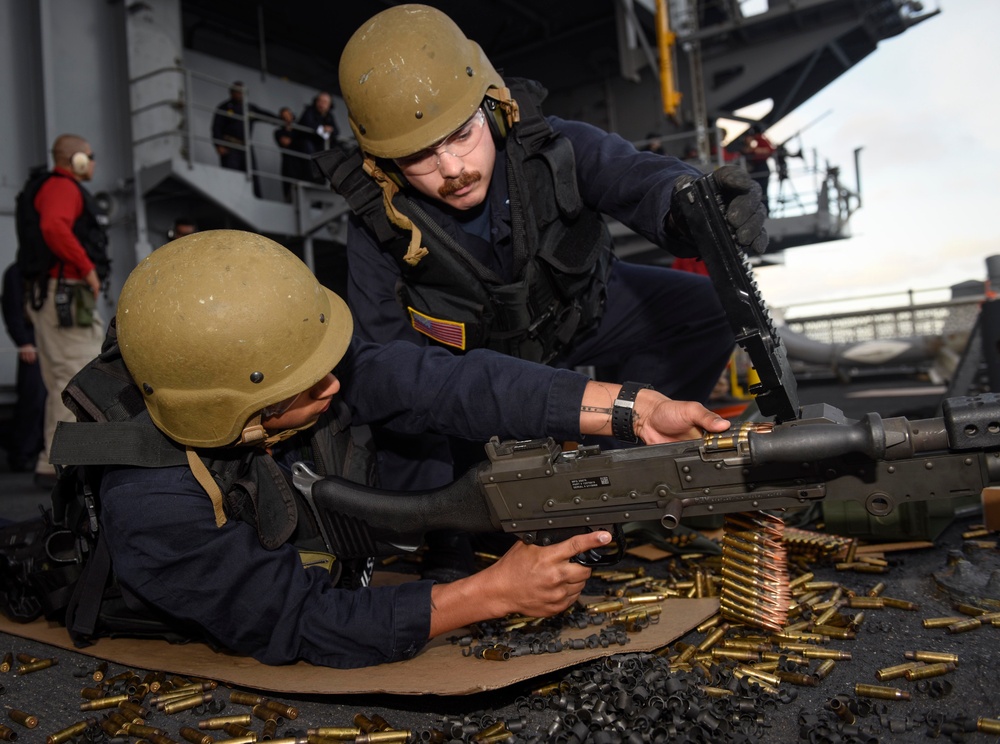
(623, 410)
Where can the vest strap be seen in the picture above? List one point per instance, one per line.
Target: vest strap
(207, 482)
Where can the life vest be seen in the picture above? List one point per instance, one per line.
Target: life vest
(113, 427)
(561, 250)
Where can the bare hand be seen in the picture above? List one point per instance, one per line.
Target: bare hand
(27, 354)
(658, 419)
(542, 581)
(528, 580)
(93, 282)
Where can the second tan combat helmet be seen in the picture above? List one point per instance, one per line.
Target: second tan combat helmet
(410, 77)
(217, 325)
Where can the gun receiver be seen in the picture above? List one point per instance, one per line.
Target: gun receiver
(543, 494)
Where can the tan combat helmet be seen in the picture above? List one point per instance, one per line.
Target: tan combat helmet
(410, 77)
(217, 325)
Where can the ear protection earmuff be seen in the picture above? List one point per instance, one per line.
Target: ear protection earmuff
(80, 163)
(501, 112)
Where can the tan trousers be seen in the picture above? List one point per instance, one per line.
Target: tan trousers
(62, 352)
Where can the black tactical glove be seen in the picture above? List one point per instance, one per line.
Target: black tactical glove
(742, 205)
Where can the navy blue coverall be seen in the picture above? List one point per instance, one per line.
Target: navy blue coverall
(660, 326)
(166, 549)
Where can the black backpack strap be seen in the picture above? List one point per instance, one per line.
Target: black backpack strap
(114, 443)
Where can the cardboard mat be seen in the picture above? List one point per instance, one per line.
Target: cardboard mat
(440, 669)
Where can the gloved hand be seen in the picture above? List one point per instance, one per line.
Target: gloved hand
(743, 207)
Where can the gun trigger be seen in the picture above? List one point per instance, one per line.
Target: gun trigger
(598, 558)
(303, 478)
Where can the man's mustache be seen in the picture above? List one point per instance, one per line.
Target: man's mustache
(467, 178)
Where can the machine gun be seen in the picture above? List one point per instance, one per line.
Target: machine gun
(543, 494)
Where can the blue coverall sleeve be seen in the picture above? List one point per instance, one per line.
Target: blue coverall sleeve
(617, 180)
(473, 396)
(166, 549)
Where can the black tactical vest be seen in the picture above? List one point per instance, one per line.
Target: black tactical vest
(34, 256)
(114, 428)
(562, 251)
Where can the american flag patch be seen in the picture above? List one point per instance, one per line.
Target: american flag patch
(446, 332)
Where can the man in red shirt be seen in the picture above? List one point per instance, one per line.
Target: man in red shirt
(68, 326)
(758, 149)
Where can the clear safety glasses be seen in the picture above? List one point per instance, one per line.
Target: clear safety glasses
(459, 144)
(276, 409)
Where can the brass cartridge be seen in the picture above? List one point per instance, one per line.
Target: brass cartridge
(100, 671)
(941, 622)
(900, 604)
(897, 671)
(931, 656)
(110, 701)
(865, 603)
(195, 736)
(736, 654)
(384, 737)
(931, 670)
(269, 729)
(497, 653)
(344, 733)
(8, 662)
(70, 731)
(831, 631)
(967, 609)
(882, 693)
(218, 722)
(824, 669)
(826, 653)
(798, 678)
(712, 638)
(771, 679)
(140, 730)
(176, 706)
(824, 618)
(264, 713)
(612, 606)
(34, 666)
(709, 624)
(245, 698)
(288, 711)
(988, 725)
(111, 728)
(25, 719)
(964, 626)
(800, 580)
(239, 730)
(877, 590)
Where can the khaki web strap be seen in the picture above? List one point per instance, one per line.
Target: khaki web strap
(207, 482)
(414, 252)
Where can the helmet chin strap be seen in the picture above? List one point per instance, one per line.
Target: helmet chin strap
(414, 252)
(253, 435)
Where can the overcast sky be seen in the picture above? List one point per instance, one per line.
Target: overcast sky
(925, 108)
